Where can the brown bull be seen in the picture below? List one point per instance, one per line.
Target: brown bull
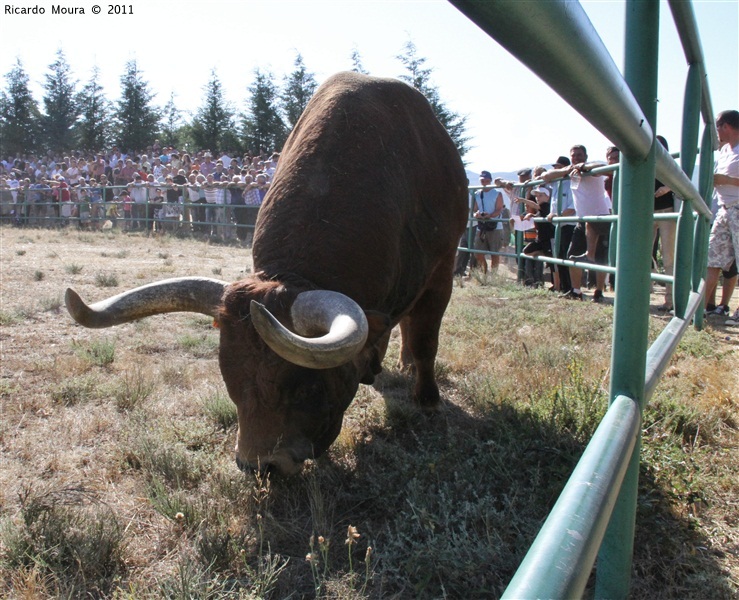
(356, 235)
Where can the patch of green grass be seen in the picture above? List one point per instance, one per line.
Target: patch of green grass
(98, 351)
(698, 344)
(169, 461)
(68, 535)
(175, 505)
(76, 390)
(8, 317)
(203, 345)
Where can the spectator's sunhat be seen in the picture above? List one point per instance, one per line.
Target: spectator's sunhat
(485, 175)
(542, 190)
(524, 172)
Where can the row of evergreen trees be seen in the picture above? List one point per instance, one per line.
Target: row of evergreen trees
(84, 118)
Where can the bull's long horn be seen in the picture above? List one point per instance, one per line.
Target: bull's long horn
(188, 294)
(331, 329)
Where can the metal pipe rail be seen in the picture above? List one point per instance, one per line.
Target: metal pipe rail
(592, 84)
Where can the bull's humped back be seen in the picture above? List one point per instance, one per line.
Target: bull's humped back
(369, 188)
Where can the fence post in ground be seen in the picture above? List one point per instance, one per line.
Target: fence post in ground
(702, 226)
(631, 308)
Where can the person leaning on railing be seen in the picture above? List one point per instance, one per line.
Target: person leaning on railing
(589, 241)
(562, 206)
(723, 244)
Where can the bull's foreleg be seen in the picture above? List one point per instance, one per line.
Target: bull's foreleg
(420, 342)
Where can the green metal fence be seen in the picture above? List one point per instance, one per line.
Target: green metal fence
(37, 207)
(594, 517)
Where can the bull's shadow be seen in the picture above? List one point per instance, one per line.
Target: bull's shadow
(451, 501)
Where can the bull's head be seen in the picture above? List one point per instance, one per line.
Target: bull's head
(292, 360)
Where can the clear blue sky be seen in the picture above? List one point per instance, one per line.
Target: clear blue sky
(514, 119)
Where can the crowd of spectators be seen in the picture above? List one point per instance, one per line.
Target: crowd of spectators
(158, 189)
(165, 189)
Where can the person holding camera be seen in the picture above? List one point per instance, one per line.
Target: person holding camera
(489, 236)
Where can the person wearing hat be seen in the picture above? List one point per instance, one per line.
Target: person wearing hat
(488, 204)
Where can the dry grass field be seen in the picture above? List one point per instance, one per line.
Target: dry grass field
(117, 475)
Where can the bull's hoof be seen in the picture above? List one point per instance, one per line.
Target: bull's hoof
(427, 398)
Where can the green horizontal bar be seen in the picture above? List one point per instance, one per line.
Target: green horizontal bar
(559, 561)
(571, 58)
(662, 349)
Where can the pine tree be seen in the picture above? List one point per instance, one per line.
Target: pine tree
(357, 65)
(61, 110)
(95, 125)
(137, 120)
(214, 118)
(171, 123)
(298, 89)
(420, 78)
(263, 127)
(19, 114)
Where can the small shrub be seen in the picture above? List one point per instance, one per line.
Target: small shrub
(171, 462)
(20, 252)
(221, 410)
(50, 303)
(73, 269)
(76, 390)
(106, 280)
(38, 275)
(217, 270)
(133, 389)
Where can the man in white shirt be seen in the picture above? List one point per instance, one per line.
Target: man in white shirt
(589, 244)
(723, 245)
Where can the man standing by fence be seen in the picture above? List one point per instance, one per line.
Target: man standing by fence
(723, 245)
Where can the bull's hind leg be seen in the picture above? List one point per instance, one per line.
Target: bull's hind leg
(420, 341)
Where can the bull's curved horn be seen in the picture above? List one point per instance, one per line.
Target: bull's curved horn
(188, 294)
(336, 319)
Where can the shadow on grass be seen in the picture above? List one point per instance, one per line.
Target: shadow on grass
(451, 502)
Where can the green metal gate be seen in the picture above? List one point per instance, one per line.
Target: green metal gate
(594, 517)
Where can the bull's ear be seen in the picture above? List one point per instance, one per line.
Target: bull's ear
(378, 323)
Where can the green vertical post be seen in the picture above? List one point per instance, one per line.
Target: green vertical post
(684, 254)
(705, 186)
(631, 308)
(612, 245)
